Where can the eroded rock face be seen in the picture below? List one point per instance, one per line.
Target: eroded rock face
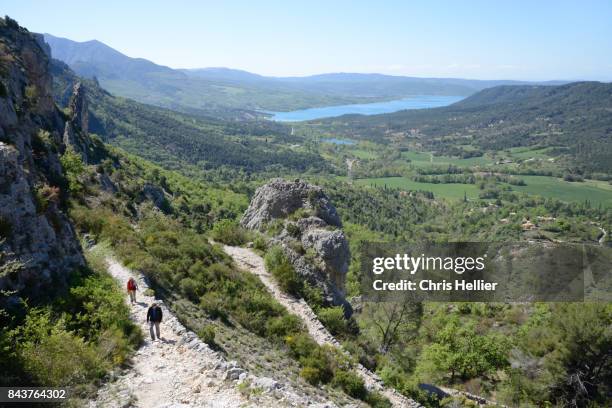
(333, 249)
(311, 239)
(280, 198)
(34, 230)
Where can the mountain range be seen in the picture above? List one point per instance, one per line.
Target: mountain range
(212, 89)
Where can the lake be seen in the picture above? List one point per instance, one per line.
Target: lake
(412, 102)
(339, 141)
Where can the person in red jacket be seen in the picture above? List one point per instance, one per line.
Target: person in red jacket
(131, 288)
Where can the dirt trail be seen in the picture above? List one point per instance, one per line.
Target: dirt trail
(249, 260)
(180, 371)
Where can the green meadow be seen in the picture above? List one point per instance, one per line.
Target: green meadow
(451, 191)
(596, 192)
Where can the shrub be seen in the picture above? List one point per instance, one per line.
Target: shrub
(207, 334)
(31, 95)
(351, 383)
(260, 243)
(44, 195)
(73, 168)
(190, 288)
(311, 374)
(293, 230)
(229, 232)
(279, 266)
(333, 319)
(283, 326)
(376, 400)
(213, 304)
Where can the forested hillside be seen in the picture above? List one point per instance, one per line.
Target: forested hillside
(181, 141)
(575, 119)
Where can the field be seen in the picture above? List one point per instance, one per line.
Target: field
(423, 159)
(451, 191)
(596, 192)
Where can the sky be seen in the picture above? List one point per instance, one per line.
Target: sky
(525, 40)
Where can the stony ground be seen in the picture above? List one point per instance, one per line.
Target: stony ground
(248, 260)
(181, 371)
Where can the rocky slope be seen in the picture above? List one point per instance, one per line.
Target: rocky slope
(34, 228)
(248, 260)
(306, 225)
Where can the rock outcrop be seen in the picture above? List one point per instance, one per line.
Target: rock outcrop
(34, 230)
(280, 198)
(310, 235)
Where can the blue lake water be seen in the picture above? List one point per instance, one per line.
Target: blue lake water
(339, 141)
(413, 102)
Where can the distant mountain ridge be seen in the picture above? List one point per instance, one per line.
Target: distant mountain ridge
(215, 88)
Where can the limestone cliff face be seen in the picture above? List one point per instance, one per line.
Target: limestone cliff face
(34, 228)
(310, 236)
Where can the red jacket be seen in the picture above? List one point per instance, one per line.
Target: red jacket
(131, 285)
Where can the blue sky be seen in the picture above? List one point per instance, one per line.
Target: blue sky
(536, 40)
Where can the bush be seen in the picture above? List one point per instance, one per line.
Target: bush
(73, 168)
(311, 374)
(351, 383)
(283, 326)
(213, 304)
(44, 195)
(229, 233)
(293, 230)
(260, 243)
(333, 319)
(207, 334)
(190, 288)
(280, 267)
(376, 400)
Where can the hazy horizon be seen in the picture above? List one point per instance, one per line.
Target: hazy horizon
(442, 39)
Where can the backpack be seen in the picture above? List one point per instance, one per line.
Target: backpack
(131, 285)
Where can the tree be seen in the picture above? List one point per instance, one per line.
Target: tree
(73, 168)
(393, 321)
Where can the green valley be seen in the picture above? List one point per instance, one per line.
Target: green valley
(250, 234)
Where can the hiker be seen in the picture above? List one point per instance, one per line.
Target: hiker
(154, 317)
(131, 288)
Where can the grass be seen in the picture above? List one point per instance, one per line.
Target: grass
(423, 159)
(597, 192)
(364, 154)
(450, 191)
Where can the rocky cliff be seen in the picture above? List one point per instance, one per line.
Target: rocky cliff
(34, 228)
(310, 233)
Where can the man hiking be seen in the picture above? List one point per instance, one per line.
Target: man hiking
(154, 318)
(131, 288)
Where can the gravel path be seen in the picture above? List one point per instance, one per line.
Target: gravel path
(180, 371)
(250, 261)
